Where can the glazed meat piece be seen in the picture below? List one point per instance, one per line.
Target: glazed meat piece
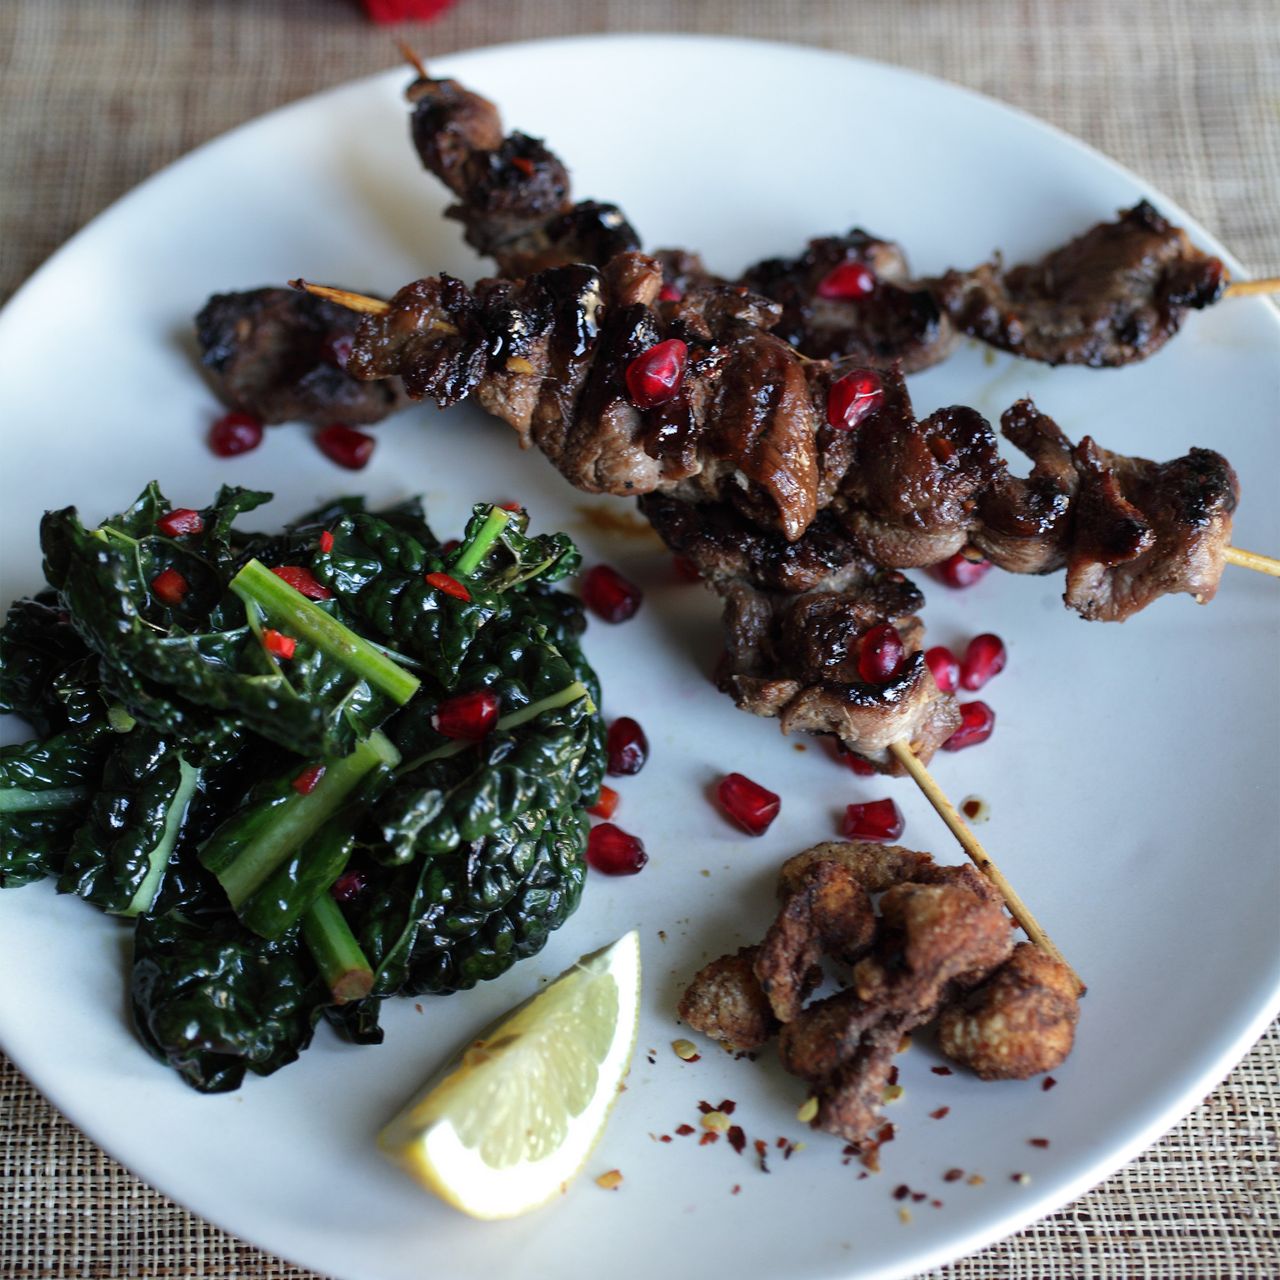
(825, 911)
(1018, 1023)
(279, 355)
(1112, 296)
(725, 1002)
(512, 192)
(829, 311)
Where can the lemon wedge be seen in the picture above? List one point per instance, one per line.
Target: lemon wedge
(515, 1117)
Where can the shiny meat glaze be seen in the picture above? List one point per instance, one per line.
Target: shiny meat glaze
(1113, 296)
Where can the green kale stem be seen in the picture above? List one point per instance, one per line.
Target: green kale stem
(290, 822)
(343, 966)
(296, 616)
(16, 800)
(470, 555)
(553, 701)
(158, 860)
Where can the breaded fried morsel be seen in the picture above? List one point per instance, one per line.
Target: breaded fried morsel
(1022, 1021)
(724, 1001)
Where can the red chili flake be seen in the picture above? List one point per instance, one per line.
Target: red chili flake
(277, 642)
(326, 542)
(728, 1106)
(180, 521)
(510, 506)
(791, 1146)
(781, 1142)
(953, 1175)
(940, 1114)
(170, 587)
(937, 1204)
(708, 1138)
(735, 1189)
(1047, 1083)
(607, 805)
(917, 1196)
(1020, 1178)
(706, 1108)
(887, 1133)
(303, 581)
(901, 1191)
(666, 1137)
(307, 781)
(942, 1071)
(449, 585)
(737, 1139)
(1042, 1143)
(893, 1074)
(762, 1150)
(684, 1130)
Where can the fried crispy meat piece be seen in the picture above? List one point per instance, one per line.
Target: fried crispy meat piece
(1018, 1023)
(724, 1002)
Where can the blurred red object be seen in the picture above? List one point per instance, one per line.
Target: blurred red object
(404, 10)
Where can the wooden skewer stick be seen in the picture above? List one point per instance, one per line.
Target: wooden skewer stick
(410, 55)
(1243, 288)
(979, 856)
(343, 297)
(1252, 560)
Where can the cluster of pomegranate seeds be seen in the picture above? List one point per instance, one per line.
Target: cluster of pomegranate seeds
(449, 585)
(880, 654)
(626, 747)
(277, 642)
(614, 851)
(655, 375)
(945, 667)
(607, 805)
(235, 433)
(348, 886)
(170, 586)
(326, 542)
(985, 657)
(854, 397)
(468, 716)
(977, 720)
(336, 348)
(309, 779)
(609, 595)
(345, 445)
(303, 581)
(750, 805)
(960, 571)
(877, 821)
(847, 281)
(180, 522)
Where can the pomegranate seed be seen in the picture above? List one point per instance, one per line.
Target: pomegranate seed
(858, 764)
(303, 581)
(685, 569)
(451, 545)
(945, 667)
(848, 280)
(654, 376)
(309, 779)
(235, 433)
(669, 293)
(349, 886)
(326, 542)
(180, 521)
(336, 348)
(450, 586)
(749, 804)
(854, 397)
(614, 851)
(960, 571)
(985, 657)
(609, 595)
(880, 654)
(607, 805)
(977, 721)
(877, 821)
(468, 716)
(170, 586)
(627, 747)
(345, 445)
(510, 506)
(277, 642)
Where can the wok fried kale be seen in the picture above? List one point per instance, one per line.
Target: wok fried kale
(265, 749)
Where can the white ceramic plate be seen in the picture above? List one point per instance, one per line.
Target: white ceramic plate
(1132, 776)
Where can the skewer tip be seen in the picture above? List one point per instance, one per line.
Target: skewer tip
(410, 55)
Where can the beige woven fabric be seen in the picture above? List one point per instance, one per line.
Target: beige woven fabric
(97, 94)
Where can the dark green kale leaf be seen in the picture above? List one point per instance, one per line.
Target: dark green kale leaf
(45, 790)
(213, 1000)
(118, 858)
(37, 646)
(513, 557)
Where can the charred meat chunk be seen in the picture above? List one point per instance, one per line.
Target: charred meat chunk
(1112, 296)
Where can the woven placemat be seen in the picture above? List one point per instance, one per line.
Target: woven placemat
(96, 95)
